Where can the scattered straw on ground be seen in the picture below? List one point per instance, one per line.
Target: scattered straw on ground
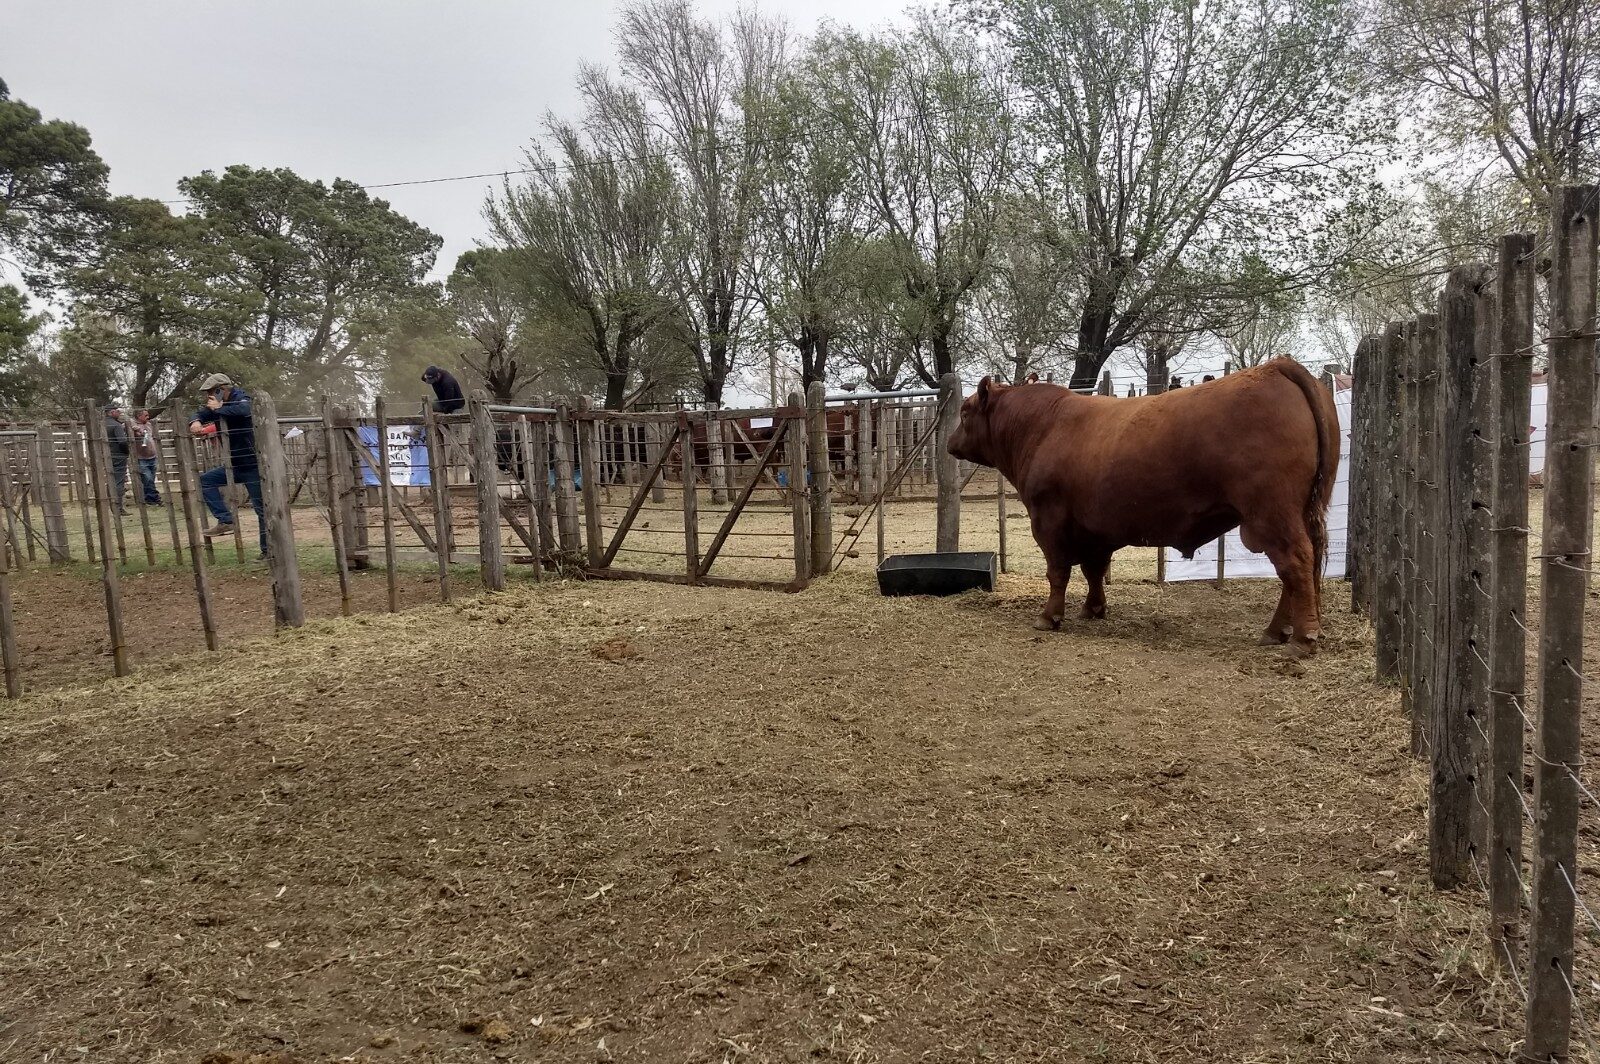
(642, 822)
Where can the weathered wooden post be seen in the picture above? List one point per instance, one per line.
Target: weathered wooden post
(1564, 583)
(543, 504)
(566, 499)
(948, 535)
(55, 517)
(284, 561)
(1457, 501)
(652, 454)
(1475, 527)
(1357, 551)
(691, 502)
(589, 461)
(223, 438)
(1105, 384)
(1508, 657)
(530, 494)
(1388, 582)
(353, 498)
(99, 475)
(798, 429)
(1000, 506)
(164, 471)
(183, 451)
(334, 461)
(77, 448)
(889, 445)
(821, 486)
(716, 457)
(486, 472)
(866, 467)
(8, 632)
(1425, 548)
(439, 488)
(391, 575)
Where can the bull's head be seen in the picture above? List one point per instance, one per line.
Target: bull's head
(972, 441)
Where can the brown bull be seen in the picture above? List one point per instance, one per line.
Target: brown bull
(1256, 451)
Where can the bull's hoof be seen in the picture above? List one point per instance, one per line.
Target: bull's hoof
(1271, 638)
(1093, 613)
(1302, 648)
(1046, 624)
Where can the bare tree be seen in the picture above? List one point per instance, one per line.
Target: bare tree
(926, 113)
(811, 218)
(1520, 79)
(589, 231)
(1177, 137)
(706, 90)
(493, 309)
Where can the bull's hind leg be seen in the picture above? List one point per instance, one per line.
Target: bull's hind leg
(1094, 603)
(1055, 607)
(1297, 619)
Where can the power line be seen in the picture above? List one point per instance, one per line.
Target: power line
(999, 101)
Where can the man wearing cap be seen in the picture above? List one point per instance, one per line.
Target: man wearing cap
(117, 444)
(227, 406)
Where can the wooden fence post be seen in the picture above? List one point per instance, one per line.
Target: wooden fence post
(491, 553)
(55, 517)
(866, 468)
(8, 632)
(1564, 583)
(652, 454)
(566, 499)
(287, 609)
(948, 470)
(821, 486)
(1508, 657)
(716, 457)
(164, 471)
(334, 457)
(1425, 549)
(1475, 526)
(391, 574)
(1462, 454)
(691, 502)
(1389, 563)
(799, 501)
(183, 451)
(1000, 516)
(589, 466)
(1358, 554)
(1105, 384)
(530, 494)
(439, 487)
(100, 476)
(78, 450)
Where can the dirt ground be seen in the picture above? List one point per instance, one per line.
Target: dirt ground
(596, 822)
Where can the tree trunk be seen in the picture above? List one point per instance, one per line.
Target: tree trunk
(1021, 363)
(943, 362)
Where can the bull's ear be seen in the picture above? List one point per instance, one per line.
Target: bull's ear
(985, 386)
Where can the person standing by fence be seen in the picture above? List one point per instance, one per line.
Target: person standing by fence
(117, 444)
(144, 449)
(228, 405)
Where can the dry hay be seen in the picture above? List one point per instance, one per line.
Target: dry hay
(643, 822)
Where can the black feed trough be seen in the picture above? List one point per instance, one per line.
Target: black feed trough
(949, 573)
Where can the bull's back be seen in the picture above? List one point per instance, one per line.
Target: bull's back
(1168, 468)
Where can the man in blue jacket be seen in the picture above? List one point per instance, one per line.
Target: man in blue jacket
(227, 406)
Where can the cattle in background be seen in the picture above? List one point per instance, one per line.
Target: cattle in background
(1257, 451)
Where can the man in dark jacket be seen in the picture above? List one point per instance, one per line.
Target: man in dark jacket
(447, 396)
(227, 406)
(117, 444)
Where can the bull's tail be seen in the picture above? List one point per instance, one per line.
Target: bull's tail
(1326, 416)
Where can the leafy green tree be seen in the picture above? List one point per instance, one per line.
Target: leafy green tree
(320, 267)
(17, 329)
(149, 284)
(51, 185)
(493, 308)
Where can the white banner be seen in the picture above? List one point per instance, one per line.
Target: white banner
(1239, 562)
(406, 453)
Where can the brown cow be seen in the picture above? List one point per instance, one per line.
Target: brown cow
(1257, 451)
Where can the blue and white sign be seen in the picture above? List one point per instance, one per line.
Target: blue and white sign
(405, 452)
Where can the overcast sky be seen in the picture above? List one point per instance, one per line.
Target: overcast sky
(371, 90)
